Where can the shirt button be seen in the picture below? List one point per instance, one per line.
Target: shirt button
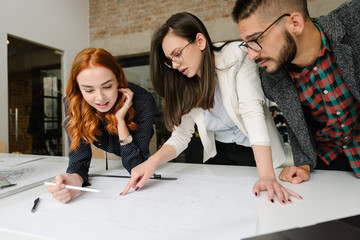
(346, 137)
(344, 147)
(326, 91)
(338, 113)
(315, 68)
(343, 125)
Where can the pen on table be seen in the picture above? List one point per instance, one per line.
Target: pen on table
(9, 185)
(155, 176)
(75, 187)
(36, 202)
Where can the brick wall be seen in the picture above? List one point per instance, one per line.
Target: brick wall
(124, 27)
(115, 17)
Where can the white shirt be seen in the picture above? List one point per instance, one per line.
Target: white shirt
(220, 123)
(243, 100)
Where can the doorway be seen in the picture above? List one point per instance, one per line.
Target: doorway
(35, 95)
(137, 70)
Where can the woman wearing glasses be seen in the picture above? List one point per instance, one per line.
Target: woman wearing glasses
(217, 88)
(103, 109)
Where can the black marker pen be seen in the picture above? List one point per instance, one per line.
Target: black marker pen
(36, 202)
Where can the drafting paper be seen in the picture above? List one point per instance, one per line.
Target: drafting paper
(15, 160)
(29, 175)
(192, 207)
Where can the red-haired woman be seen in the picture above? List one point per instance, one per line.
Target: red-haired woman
(103, 109)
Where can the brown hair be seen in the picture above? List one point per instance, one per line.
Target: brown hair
(268, 9)
(83, 120)
(180, 93)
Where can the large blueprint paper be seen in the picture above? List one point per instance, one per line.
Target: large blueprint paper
(29, 175)
(192, 207)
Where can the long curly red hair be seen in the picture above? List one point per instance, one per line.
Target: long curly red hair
(83, 120)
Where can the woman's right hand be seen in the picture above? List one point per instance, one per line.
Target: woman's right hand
(126, 98)
(59, 191)
(140, 174)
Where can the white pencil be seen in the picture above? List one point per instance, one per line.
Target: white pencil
(75, 187)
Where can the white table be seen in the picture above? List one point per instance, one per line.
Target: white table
(328, 195)
(97, 165)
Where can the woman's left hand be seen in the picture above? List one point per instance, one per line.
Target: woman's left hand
(274, 188)
(126, 98)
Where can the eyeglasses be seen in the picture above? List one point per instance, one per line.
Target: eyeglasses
(253, 44)
(177, 57)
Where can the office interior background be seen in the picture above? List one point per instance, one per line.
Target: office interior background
(40, 38)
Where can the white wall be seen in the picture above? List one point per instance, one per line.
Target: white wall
(60, 24)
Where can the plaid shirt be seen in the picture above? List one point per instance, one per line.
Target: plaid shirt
(322, 89)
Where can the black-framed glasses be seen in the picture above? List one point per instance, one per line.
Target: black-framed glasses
(177, 57)
(253, 44)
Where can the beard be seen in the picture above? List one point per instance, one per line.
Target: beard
(286, 55)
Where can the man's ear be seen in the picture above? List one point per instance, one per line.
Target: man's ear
(200, 41)
(295, 23)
